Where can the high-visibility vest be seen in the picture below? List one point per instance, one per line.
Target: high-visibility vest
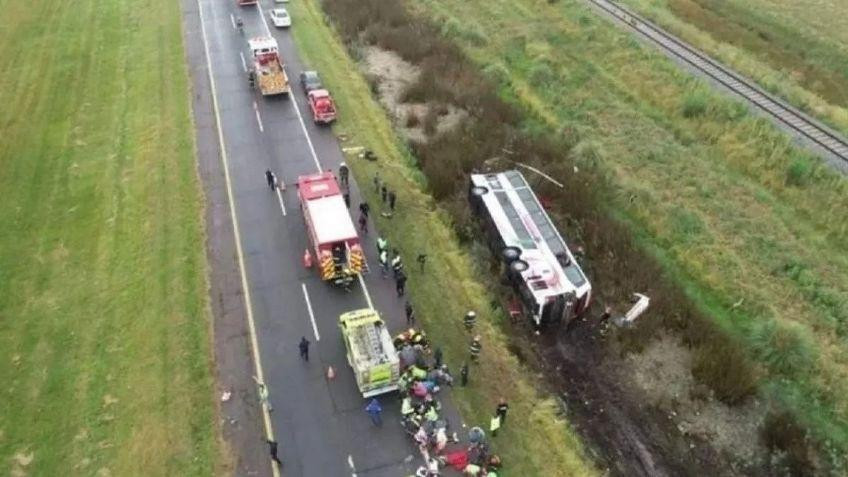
(406, 406)
(382, 244)
(327, 266)
(475, 347)
(356, 260)
(495, 423)
(418, 373)
(431, 414)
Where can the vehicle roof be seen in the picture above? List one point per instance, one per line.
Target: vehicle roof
(280, 10)
(319, 93)
(262, 42)
(356, 326)
(310, 74)
(523, 223)
(330, 220)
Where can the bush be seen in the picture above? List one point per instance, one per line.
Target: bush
(785, 349)
(789, 445)
(723, 366)
(542, 74)
(799, 172)
(695, 103)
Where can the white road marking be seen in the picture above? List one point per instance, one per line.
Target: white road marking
(350, 464)
(258, 117)
(243, 63)
(254, 341)
(233, 21)
(264, 20)
(280, 198)
(309, 309)
(365, 291)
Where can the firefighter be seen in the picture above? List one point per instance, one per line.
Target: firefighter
(397, 263)
(463, 374)
(384, 263)
(502, 409)
(475, 348)
(343, 173)
(400, 282)
(382, 244)
(470, 320)
(418, 338)
(410, 314)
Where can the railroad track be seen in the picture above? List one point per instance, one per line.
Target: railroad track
(786, 114)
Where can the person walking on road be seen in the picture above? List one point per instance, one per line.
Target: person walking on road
(363, 223)
(475, 348)
(382, 244)
(397, 263)
(410, 314)
(364, 208)
(392, 199)
(470, 320)
(384, 262)
(269, 177)
(304, 348)
(502, 409)
(343, 174)
(400, 283)
(263, 394)
(374, 410)
(272, 449)
(463, 374)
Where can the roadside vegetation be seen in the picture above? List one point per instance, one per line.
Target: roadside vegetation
(104, 326)
(448, 288)
(797, 49)
(671, 188)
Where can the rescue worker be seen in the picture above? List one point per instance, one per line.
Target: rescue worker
(363, 223)
(410, 314)
(418, 373)
(470, 320)
(495, 424)
(269, 177)
(431, 414)
(475, 348)
(304, 348)
(400, 283)
(251, 79)
(397, 262)
(364, 208)
(384, 263)
(463, 374)
(392, 199)
(418, 338)
(382, 244)
(374, 410)
(343, 173)
(502, 409)
(406, 406)
(437, 357)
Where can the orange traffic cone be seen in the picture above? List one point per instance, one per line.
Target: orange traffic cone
(307, 259)
(331, 374)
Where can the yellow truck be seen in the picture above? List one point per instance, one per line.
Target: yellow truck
(268, 72)
(370, 351)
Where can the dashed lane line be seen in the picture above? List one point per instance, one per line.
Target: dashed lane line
(309, 309)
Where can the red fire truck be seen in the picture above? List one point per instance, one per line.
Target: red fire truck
(322, 106)
(331, 231)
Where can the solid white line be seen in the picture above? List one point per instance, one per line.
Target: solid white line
(365, 291)
(280, 198)
(233, 21)
(309, 309)
(294, 102)
(350, 464)
(243, 63)
(254, 341)
(258, 118)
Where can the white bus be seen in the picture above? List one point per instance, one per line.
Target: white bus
(539, 265)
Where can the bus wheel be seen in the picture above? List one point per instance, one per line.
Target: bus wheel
(478, 191)
(510, 254)
(518, 266)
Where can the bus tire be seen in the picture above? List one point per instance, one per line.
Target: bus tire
(510, 254)
(518, 266)
(478, 191)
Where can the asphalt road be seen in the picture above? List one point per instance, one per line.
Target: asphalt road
(320, 425)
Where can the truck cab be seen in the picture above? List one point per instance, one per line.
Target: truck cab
(322, 106)
(370, 352)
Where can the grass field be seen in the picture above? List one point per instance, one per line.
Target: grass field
(795, 48)
(752, 227)
(104, 323)
(544, 441)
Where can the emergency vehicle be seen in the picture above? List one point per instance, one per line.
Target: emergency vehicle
(332, 235)
(268, 72)
(548, 280)
(370, 352)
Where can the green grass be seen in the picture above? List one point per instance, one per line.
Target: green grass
(795, 48)
(721, 198)
(448, 288)
(104, 320)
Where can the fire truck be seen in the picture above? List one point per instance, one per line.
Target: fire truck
(370, 352)
(322, 106)
(549, 282)
(267, 72)
(332, 234)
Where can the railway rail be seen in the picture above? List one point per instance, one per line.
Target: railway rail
(804, 125)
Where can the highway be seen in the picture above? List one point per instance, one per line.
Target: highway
(320, 424)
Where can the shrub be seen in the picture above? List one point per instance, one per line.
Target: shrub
(542, 74)
(789, 445)
(722, 365)
(785, 349)
(695, 103)
(799, 172)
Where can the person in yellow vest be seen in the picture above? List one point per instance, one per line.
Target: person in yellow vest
(495, 424)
